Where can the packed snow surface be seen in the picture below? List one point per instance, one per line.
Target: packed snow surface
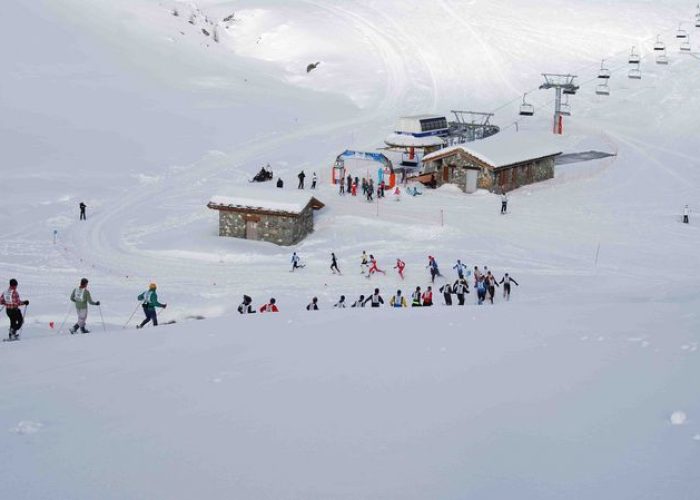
(583, 385)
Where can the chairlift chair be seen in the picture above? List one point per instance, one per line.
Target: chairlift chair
(604, 72)
(526, 109)
(685, 45)
(603, 89)
(681, 33)
(566, 108)
(634, 56)
(659, 46)
(662, 59)
(570, 91)
(635, 73)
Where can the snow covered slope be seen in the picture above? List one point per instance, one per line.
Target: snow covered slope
(566, 391)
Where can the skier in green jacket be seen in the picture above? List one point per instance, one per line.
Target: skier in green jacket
(81, 298)
(149, 302)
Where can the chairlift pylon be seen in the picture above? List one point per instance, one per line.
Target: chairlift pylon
(635, 73)
(634, 56)
(659, 45)
(526, 109)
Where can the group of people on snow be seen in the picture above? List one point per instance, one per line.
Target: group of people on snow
(81, 298)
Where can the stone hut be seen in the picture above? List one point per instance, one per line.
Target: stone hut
(280, 218)
(500, 163)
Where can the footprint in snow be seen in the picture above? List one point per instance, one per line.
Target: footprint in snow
(27, 427)
(678, 418)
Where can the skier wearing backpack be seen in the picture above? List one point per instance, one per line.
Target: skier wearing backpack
(81, 298)
(270, 307)
(313, 305)
(506, 281)
(12, 302)
(428, 297)
(246, 306)
(398, 300)
(415, 298)
(334, 264)
(375, 299)
(149, 302)
(400, 266)
(460, 288)
(446, 291)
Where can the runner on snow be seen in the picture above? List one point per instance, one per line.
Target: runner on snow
(81, 298)
(373, 267)
(360, 302)
(428, 297)
(334, 264)
(296, 262)
(460, 288)
(400, 266)
(446, 291)
(12, 302)
(506, 281)
(246, 306)
(375, 299)
(149, 302)
(415, 298)
(398, 300)
(270, 307)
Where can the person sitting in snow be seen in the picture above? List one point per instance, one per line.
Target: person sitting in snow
(313, 305)
(398, 300)
(360, 302)
(341, 303)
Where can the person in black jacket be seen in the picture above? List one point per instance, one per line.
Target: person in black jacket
(506, 281)
(313, 306)
(301, 176)
(460, 288)
(246, 306)
(375, 299)
(446, 290)
(359, 302)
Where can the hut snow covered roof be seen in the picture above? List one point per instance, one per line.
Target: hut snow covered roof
(266, 201)
(505, 149)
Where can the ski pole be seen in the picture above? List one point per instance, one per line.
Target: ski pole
(102, 318)
(130, 317)
(60, 329)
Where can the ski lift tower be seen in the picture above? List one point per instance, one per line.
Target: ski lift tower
(561, 84)
(471, 126)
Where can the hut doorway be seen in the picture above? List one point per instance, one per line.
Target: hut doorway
(251, 230)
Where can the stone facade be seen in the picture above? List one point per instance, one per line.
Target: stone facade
(280, 228)
(453, 170)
